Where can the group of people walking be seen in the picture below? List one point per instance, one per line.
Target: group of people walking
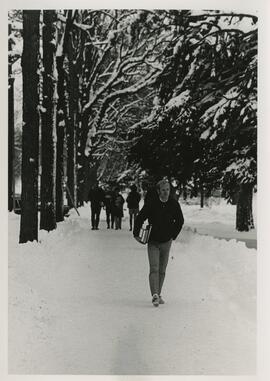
(113, 203)
(163, 213)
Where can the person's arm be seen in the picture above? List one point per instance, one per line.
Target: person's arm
(178, 221)
(141, 217)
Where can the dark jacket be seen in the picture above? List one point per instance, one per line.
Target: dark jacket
(166, 219)
(133, 200)
(118, 205)
(109, 200)
(96, 197)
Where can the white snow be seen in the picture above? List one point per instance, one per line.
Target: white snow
(178, 101)
(79, 301)
(218, 220)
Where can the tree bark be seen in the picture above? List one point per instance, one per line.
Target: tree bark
(48, 130)
(71, 128)
(10, 131)
(30, 134)
(244, 215)
(201, 193)
(62, 122)
(60, 131)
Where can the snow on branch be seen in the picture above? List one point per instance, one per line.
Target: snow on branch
(178, 101)
(107, 131)
(222, 31)
(142, 122)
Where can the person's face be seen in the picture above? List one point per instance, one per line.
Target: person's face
(164, 191)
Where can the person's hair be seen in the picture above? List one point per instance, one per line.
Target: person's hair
(161, 183)
(133, 187)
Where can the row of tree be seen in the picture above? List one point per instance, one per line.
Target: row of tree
(203, 129)
(82, 71)
(173, 91)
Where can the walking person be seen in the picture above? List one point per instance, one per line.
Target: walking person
(109, 202)
(96, 198)
(165, 215)
(133, 200)
(118, 209)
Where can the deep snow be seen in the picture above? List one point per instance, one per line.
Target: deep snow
(79, 302)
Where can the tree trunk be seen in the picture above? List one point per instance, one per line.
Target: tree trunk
(184, 192)
(202, 193)
(244, 216)
(84, 163)
(71, 129)
(48, 130)
(62, 122)
(10, 131)
(30, 134)
(60, 131)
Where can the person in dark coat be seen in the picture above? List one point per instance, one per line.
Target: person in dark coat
(109, 207)
(133, 200)
(118, 209)
(165, 215)
(96, 198)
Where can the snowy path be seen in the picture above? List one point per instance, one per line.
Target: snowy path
(80, 304)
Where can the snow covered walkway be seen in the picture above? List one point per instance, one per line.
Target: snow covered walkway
(79, 303)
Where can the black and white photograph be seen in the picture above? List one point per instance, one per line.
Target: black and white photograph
(132, 191)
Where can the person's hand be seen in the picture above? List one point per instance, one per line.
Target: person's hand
(137, 239)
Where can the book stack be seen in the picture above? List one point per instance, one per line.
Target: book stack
(145, 233)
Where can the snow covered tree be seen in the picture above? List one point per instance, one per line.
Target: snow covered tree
(121, 53)
(204, 119)
(30, 138)
(231, 124)
(48, 130)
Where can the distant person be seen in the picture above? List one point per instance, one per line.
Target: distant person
(133, 200)
(96, 198)
(109, 207)
(118, 209)
(165, 216)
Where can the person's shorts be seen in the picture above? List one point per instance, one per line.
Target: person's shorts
(133, 211)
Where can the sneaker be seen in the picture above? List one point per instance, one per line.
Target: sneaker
(161, 301)
(155, 300)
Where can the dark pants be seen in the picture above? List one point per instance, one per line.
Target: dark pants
(109, 218)
(158, 255)
(118, 222)
(95, 213)
(133, 212)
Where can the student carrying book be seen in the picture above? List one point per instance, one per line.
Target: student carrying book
(165, 215)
